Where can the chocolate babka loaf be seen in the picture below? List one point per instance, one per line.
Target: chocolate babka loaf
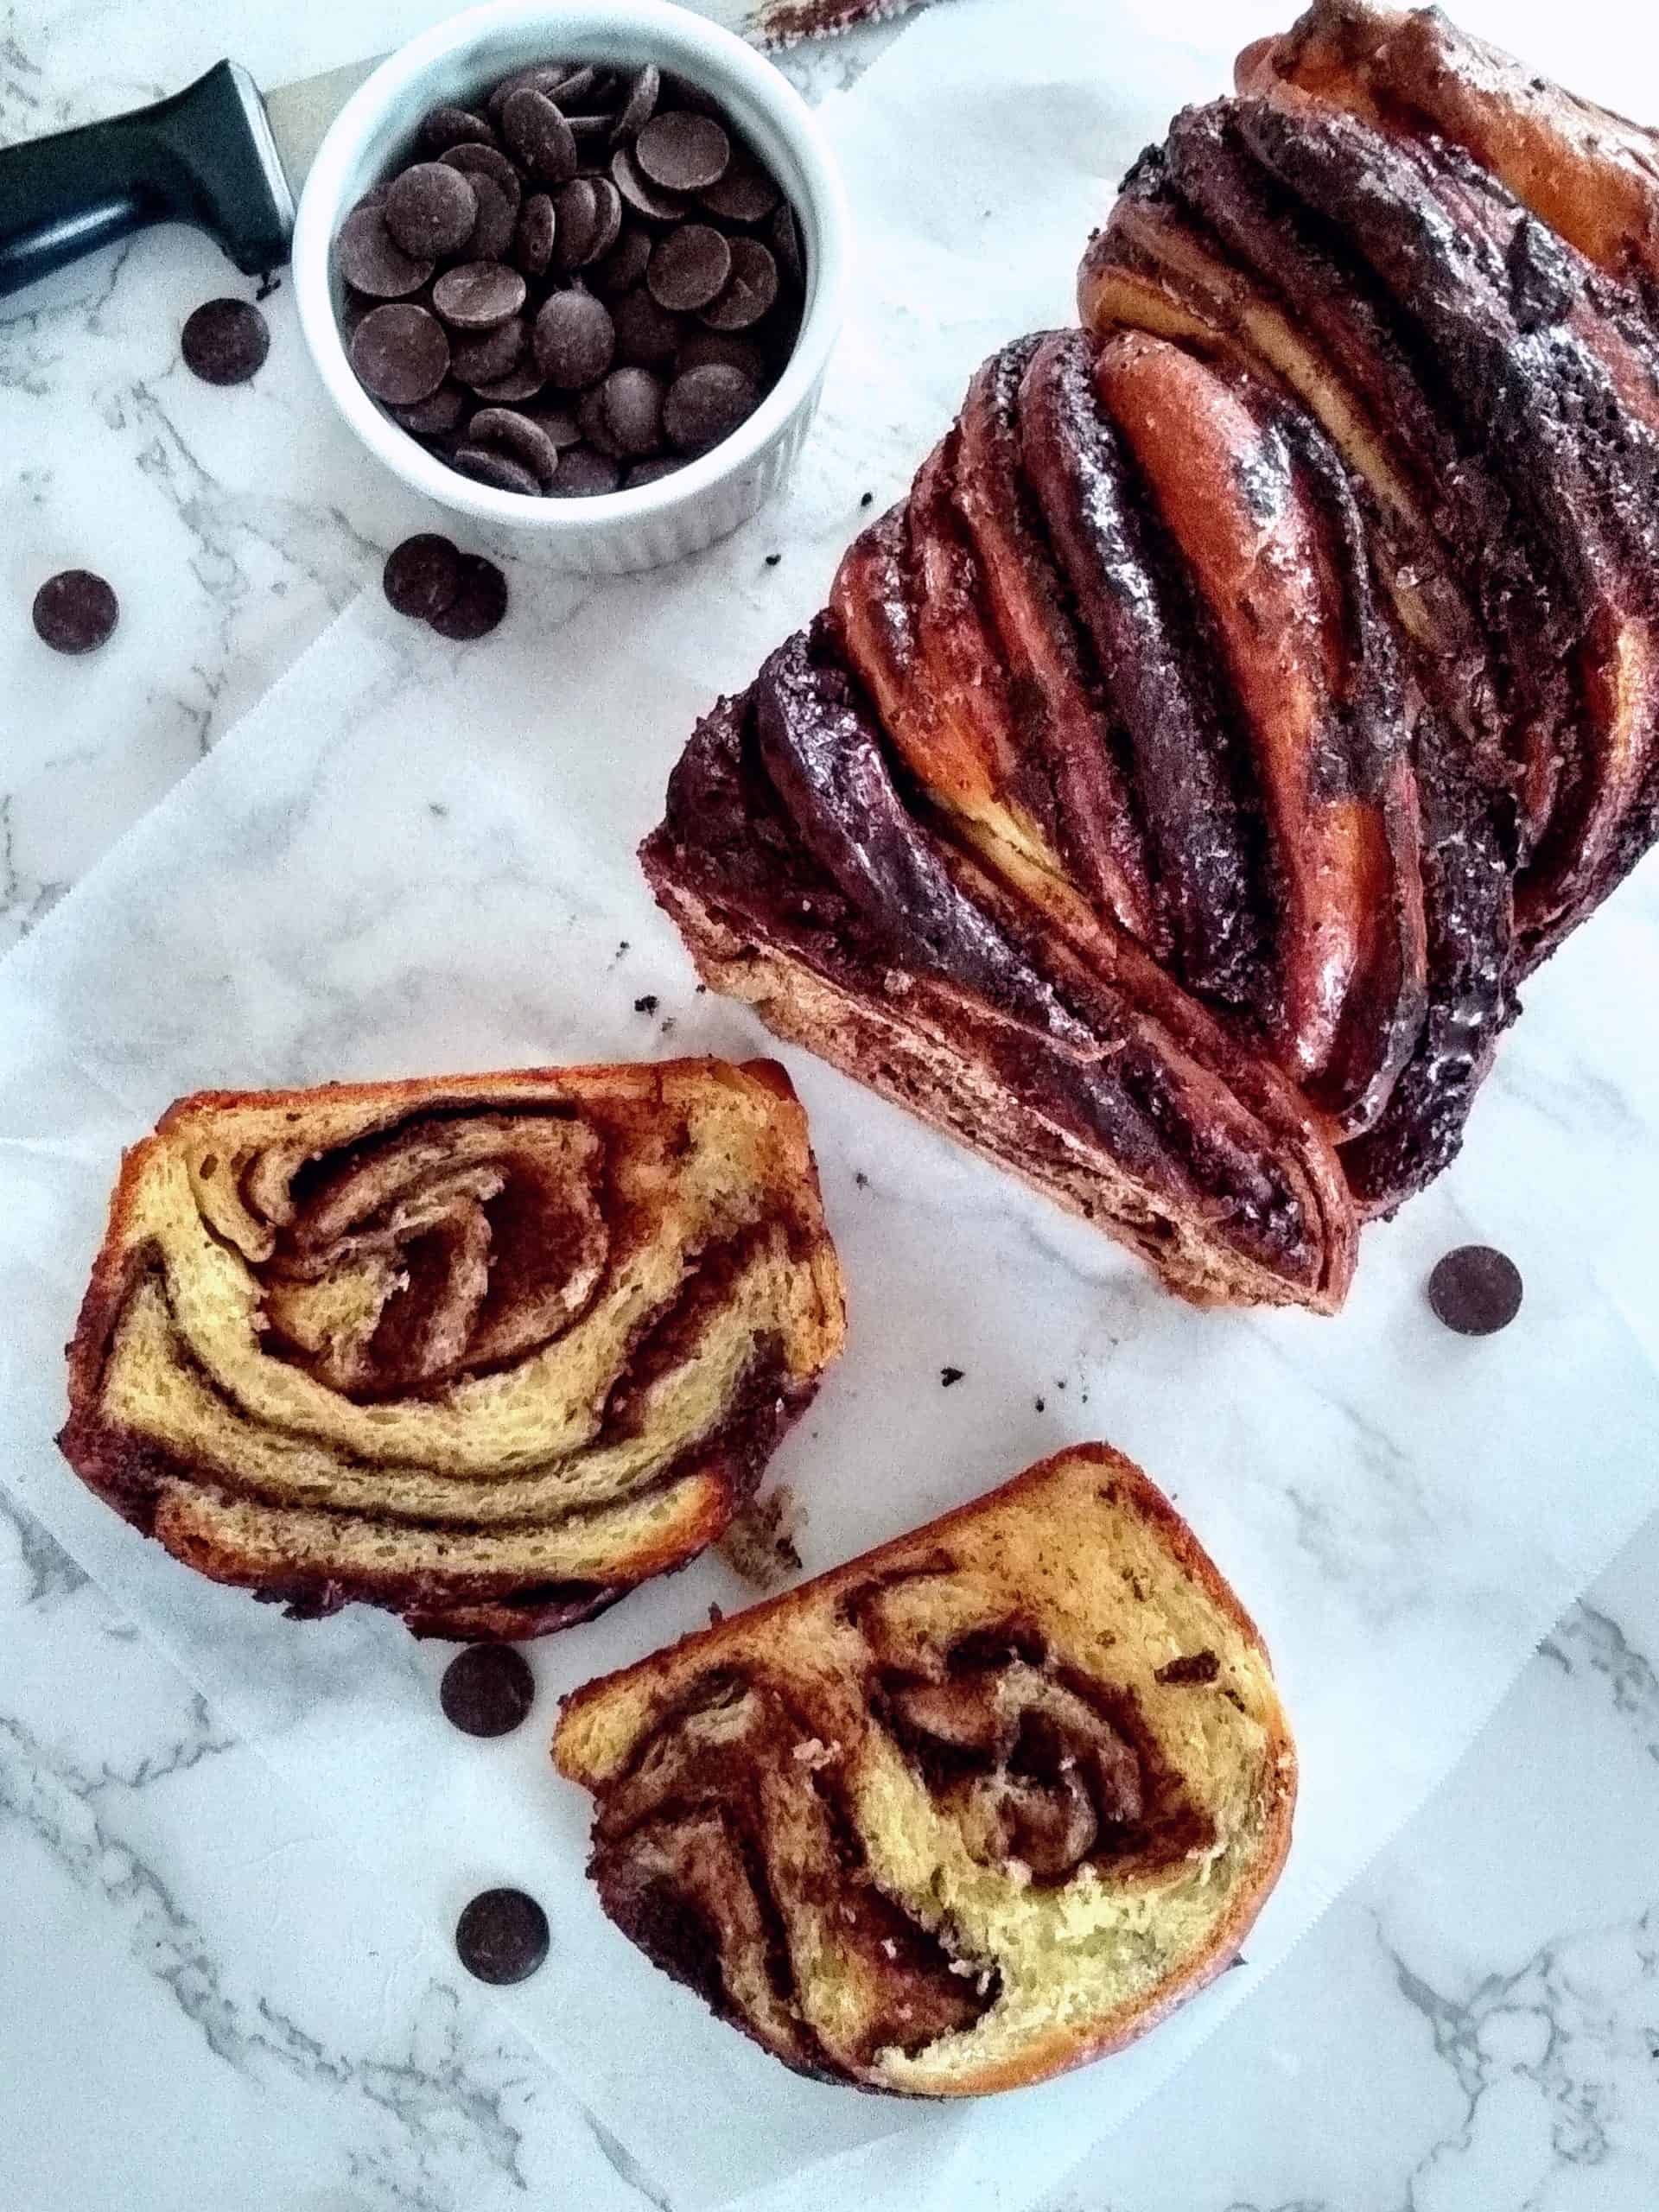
(487, 1351)
(1254, 686)
(982, 1805)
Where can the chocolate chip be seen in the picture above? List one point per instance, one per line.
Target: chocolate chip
(539, 76)
(705, 405)
(431, 210)
(948, 1376)
(526, 440)
(607, 218)
(532, 240)
(371, 261)
(647, 336)
(683, 152)
(745, 195)
(499, 470)
(575, 84)
(482, 359)
(502, 1936)
(479, 295)
(583, 473)
(640, 104)
(750, 289)
(540, 135)
(478, 605)
(560, 425)
(225, 342)
(699, 347)
(521, 382)
(589, 131)
(624, 266)
(689, 268)
(1475, 1290)
(640, 193)
(400, 352)
(633, 401)
(576, 211)
(651, 472)
(498, 213)
(453, 126)
(595, 424)
(429, 418)
(574, 341)
(421, 578)
(486, 161)
(784, 234)
(75, 612)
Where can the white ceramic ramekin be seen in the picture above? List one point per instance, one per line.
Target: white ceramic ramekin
(656, 522)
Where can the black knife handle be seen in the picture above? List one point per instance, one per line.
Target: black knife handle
(204, 156)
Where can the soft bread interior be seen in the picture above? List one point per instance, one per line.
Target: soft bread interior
(1083, 1557)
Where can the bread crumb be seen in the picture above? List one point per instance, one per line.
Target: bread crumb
(814, 1753)
(1018, 1872)
(758, 1545)
(889, 1947)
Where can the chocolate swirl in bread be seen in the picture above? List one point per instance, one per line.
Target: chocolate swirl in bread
(975, 1807)
(1274, 661)
(487, 1351)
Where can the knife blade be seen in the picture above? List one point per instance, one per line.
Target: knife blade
(219, 155)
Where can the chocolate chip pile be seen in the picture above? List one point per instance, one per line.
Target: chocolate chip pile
(577, 285)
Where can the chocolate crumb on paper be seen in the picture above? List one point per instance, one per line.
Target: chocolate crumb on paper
(760, 1544)
(949, 1375)
(648, 1003)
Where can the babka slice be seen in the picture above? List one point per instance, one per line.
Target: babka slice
(484, 1349)
(982, 1805)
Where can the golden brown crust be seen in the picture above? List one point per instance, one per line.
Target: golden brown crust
(794, 1697)
(254, 1213)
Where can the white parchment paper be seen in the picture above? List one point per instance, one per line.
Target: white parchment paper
(415, 858)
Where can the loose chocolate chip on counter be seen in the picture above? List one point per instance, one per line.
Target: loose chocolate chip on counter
(431, 210)
(537, 133)
(647, 336)
(487, 1691)
(400, 352)
(481, 359)
(574, 341)
(480, 601)
(624, 266)
(750, 291)
(1475, 1290)
(585, 474)
(432, 417)
(421, 578)
(371, 261)
(640, 104)
(640, 193)
(225, 342)
(498, 216)
(479, 295)
(519, 436)
(453, 126)
(576, 208)
(745, 195)
(502, 1936)
(683, 152)
(633, 401)
(705, 405)
(473, 161)
(486, 466)
(532, 240)
(689, 268)
(75, 612)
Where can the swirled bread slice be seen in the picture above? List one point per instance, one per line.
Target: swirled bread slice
(978, 1807)
(485, 1350)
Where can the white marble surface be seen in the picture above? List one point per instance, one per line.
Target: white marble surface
(1475, 2026)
